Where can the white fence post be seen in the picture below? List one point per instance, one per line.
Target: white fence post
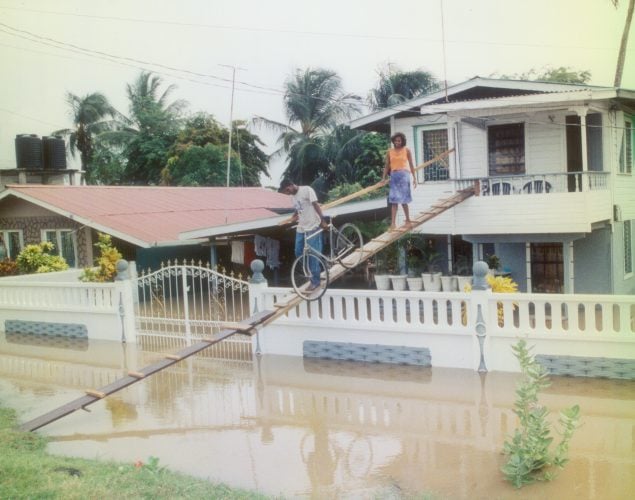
(257, 286)
(481, 293)
(125, 295)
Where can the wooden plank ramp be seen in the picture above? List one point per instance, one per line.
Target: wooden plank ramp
(93, 395)
(249, 325)
(375, 245)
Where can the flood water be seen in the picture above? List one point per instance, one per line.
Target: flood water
(302, 428)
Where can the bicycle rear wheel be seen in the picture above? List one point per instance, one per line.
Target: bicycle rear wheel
(349, 239)
(301, 276)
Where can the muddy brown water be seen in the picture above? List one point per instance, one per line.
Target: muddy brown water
(317, 429)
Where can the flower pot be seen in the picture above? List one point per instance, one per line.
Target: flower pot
(382, 281)
(462, 281)
(398, 282)
(431, 282)
(415, 284)
(448, 283)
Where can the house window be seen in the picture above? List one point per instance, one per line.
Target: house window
(13, 242)
(626, 153)
(547, 268)
(628, 247)
(506, 149)
(65, 244)
(435, 142)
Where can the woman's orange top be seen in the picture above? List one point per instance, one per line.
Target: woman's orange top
(398, 159)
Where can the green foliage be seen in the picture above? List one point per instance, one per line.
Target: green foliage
(493, 262)
(8, 267)
(89, 114)
(562, 74)
(529, 458)
(106, 263)
(199, 166)
(108, 163)
(396, 86)
(152, 128)
(198, 156)
(27, 471)
(315, 104)
(38, 259)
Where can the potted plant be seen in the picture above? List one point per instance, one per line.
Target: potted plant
(385, 265)
(431, 276)
(493, 262)
(463, 268)
(414, 280)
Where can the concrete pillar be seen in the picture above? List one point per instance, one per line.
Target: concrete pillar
(481, 293)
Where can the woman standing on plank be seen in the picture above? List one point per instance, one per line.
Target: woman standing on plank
(398, 162)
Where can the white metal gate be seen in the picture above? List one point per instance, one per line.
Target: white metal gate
(182, 303)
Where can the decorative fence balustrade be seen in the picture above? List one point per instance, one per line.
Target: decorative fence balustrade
(464, 330)
(103, 310)
(588, 315)
(452, 311)
(371, 309)
(69, 297)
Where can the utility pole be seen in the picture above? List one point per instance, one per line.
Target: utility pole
(231, 116)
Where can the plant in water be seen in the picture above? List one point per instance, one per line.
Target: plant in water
(39, 259)
(106, 264)
(528, 449)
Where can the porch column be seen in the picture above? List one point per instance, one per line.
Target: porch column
(582, 112)
(452, 159)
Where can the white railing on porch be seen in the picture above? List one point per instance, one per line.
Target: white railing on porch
(537, 183)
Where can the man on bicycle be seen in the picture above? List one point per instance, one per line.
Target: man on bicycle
(310, 219)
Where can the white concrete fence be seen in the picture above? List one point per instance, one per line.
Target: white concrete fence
(105, 309)
(451, 326)
(462, 330)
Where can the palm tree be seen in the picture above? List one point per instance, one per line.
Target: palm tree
(151, 128)
(624, 42)
(89, 114)
(396, 86)
(315, 103)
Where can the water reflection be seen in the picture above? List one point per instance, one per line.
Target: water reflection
(321, 429)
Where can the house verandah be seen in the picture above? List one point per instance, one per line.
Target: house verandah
(583, 335)
(553, 163)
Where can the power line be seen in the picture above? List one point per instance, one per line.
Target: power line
(298, 32)
(127, 61)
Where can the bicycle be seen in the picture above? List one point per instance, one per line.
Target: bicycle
(347, 239)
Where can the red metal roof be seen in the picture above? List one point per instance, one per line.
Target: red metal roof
(156, 214)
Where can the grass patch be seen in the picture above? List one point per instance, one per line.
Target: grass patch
(27, 471)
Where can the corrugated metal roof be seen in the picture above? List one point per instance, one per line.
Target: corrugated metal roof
(155, 215)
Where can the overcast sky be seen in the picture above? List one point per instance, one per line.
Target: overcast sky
(48, 48)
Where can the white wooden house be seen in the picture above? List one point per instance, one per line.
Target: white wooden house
(554, 164)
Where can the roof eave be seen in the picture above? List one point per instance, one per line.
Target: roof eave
(76, 218)
(257, 224)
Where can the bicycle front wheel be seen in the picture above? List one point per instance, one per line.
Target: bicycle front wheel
(301, 272)
(349, 239)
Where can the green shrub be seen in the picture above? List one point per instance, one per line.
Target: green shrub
(38, 259)
(8, 267)
(528, 449)
(105, 265)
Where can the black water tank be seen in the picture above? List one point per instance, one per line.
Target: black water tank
(54, 152)
(28, 151)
